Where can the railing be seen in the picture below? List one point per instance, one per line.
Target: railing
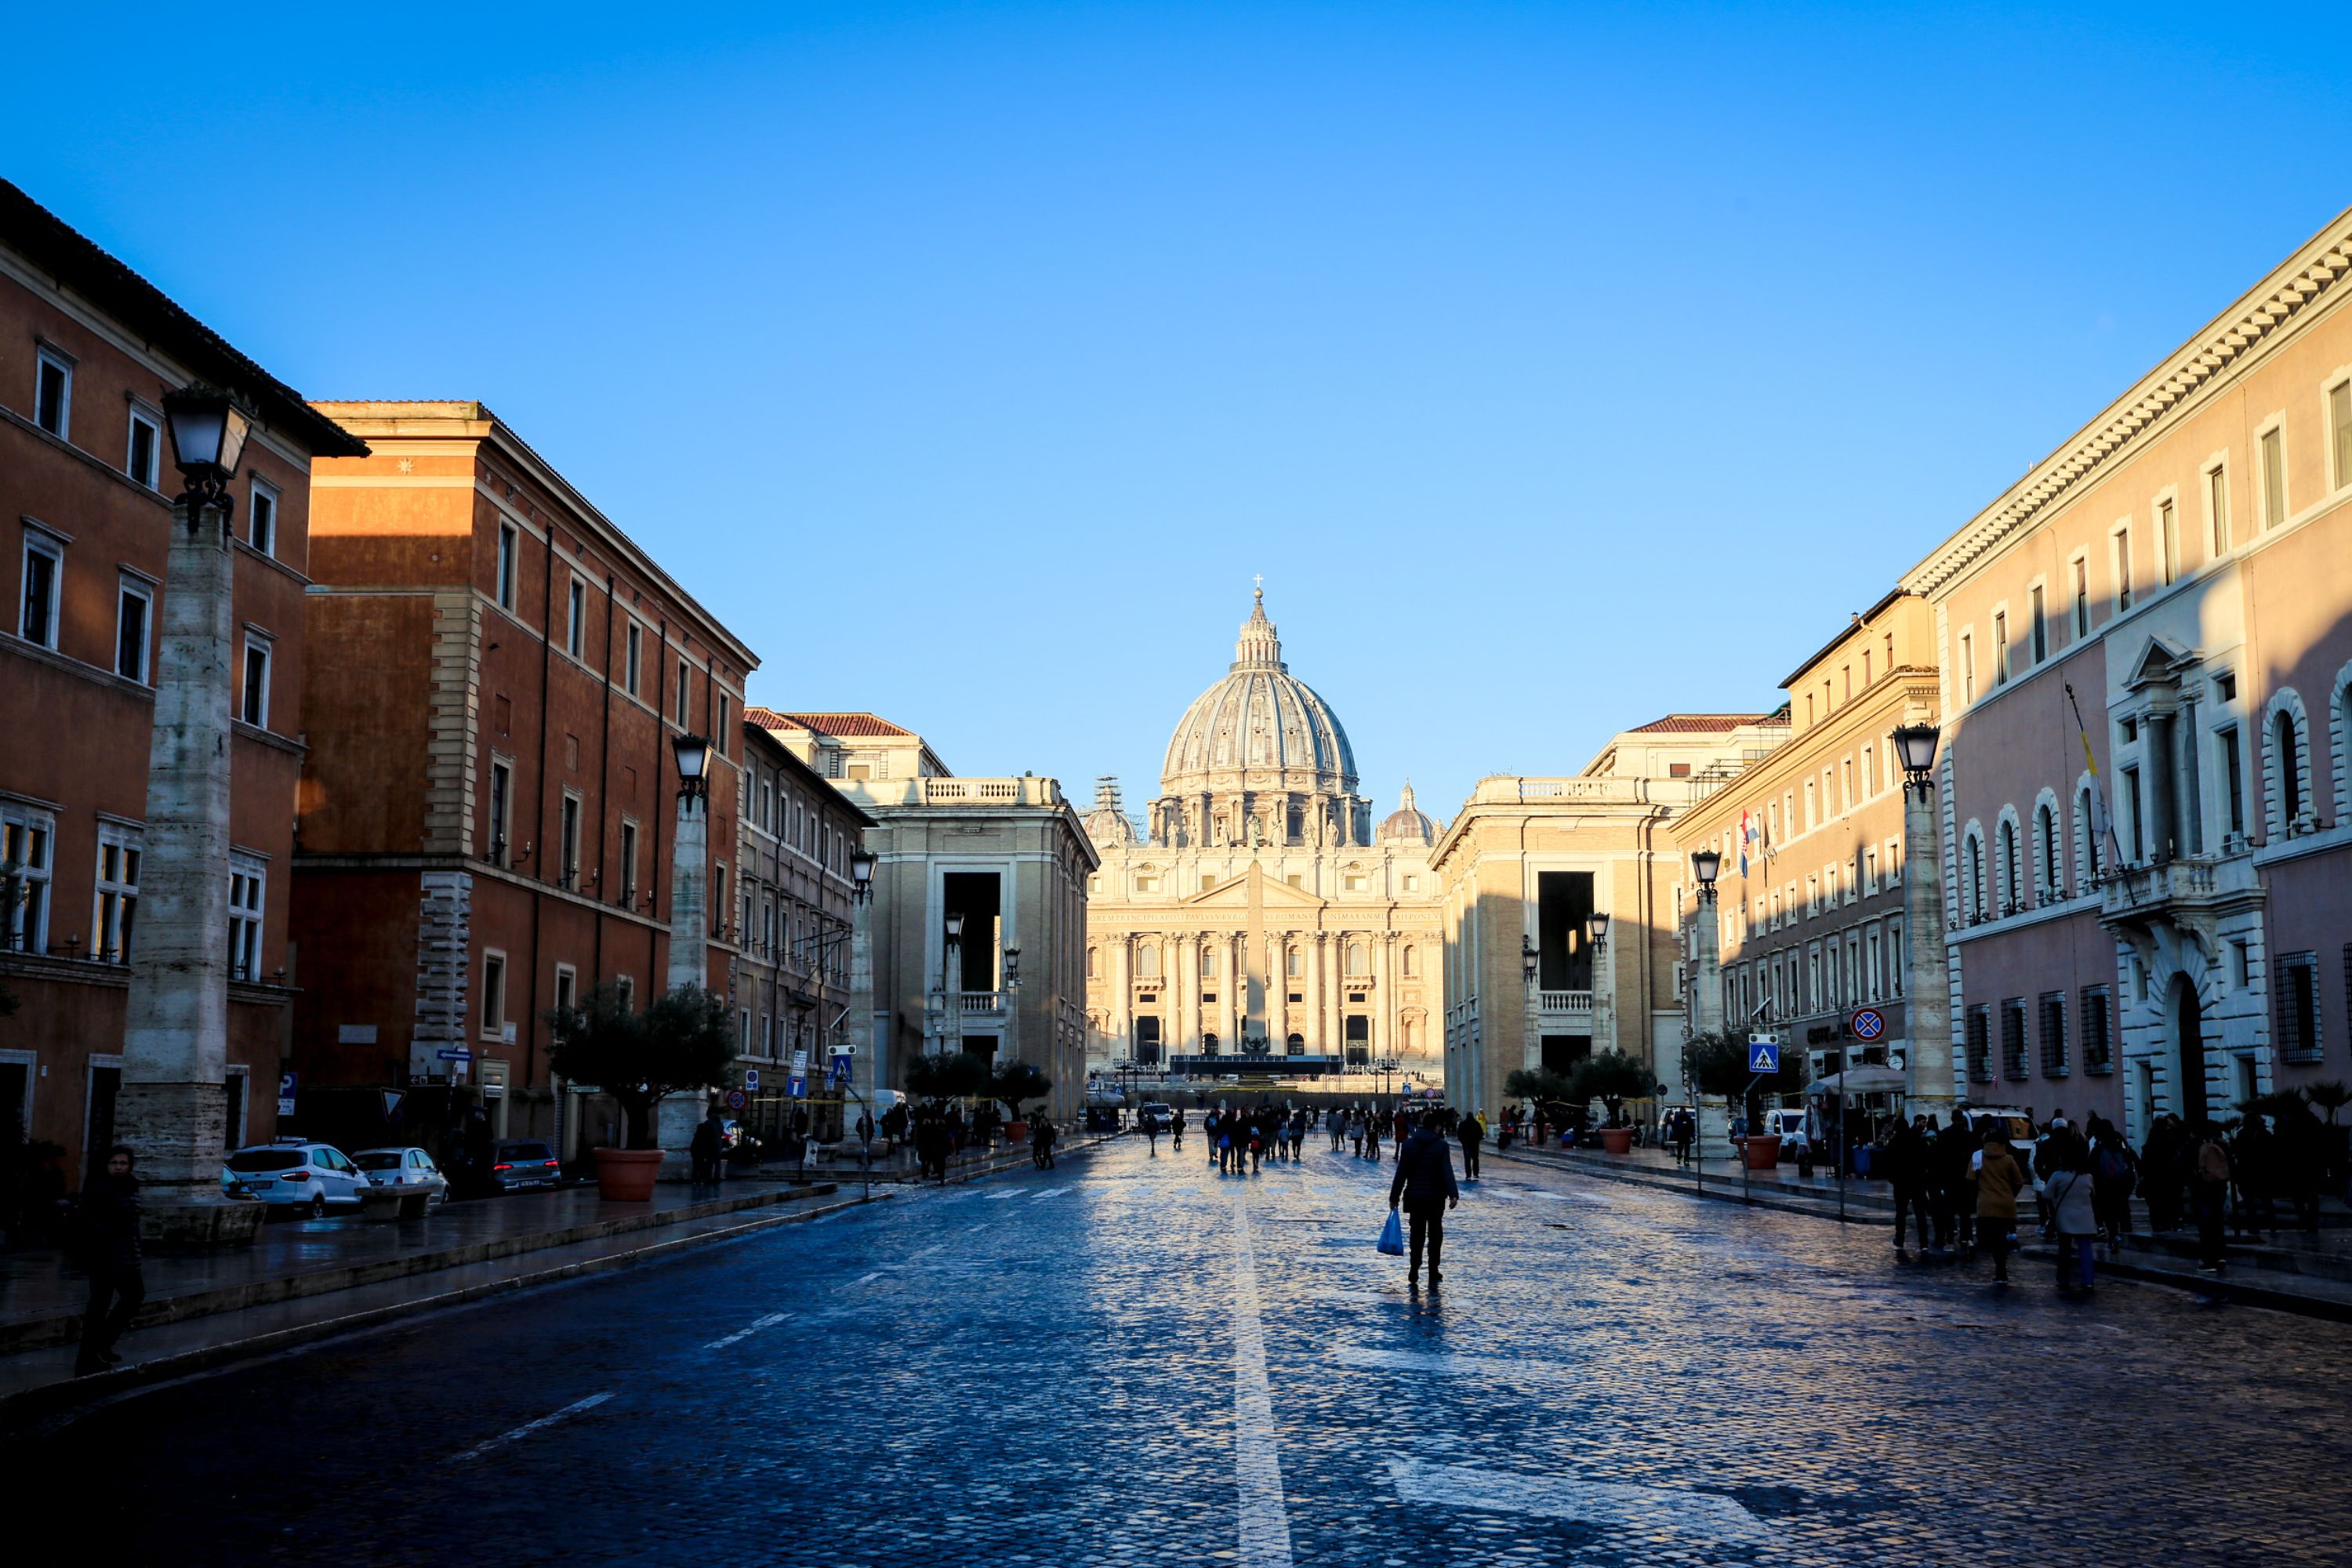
(1564, 1001)
(1026, 790)
(983, 1001)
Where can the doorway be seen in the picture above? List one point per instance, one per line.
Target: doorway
(2188, 1049)
(1146, 1041)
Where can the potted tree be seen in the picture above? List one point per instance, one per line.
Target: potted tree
(680, 1042)
(1612, 1077)
(1012, 1084)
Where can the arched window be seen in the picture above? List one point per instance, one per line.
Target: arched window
(1408, 963)
(1294, 1045)
(1208, 961)
(1972, 877)
(2287, 743)
(1356, 958)
(1208, 1045)
(1293, 962)
(1092, 965)
(1147, 962)
(2045, 851)
(2009, 903)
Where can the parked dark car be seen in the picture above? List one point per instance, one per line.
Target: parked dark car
(519, 1162)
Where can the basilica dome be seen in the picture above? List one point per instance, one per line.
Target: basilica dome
(1260, 728)
(1406, 825)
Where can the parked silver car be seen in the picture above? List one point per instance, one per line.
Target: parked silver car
(403, 1168)
(294, 1175)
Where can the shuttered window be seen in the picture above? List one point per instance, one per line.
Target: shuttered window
(2053, 1033)
(1980, 1036)
(2013, 1038)
(2296, 999)
(2097, 1022)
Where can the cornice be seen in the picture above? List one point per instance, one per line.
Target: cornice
(2248, 328)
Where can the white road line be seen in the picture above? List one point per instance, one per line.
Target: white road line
(1257, 1468)
(867, 1278)
(999, 1197)
(1704, 1515)
(770, 1321)
(574, 1408)
(1449, 1364)
(1052, 1192)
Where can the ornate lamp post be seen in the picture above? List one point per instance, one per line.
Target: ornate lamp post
(1707, 1009)
(173, 1107)
(1530, 962)
(1596, 930)
(1926, 1000)
(690, 925)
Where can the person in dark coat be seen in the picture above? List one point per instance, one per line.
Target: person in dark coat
(1472, 1132)
(704, 1148)
(1904, 1162)
(1042, 1136)
(1424, 1186)
(117, 1284)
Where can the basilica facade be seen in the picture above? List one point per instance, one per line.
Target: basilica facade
(1255, 918)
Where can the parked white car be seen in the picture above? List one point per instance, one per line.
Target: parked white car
(403, 1168)
(315, 1177)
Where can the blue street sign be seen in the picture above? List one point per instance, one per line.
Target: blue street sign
(459, 1055)
(1764, 1056)
(840, 1073)
(751, 1079)
(1869, 1024)
(288, 1083)
(796, 1086)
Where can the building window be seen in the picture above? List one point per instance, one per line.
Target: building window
(2013, 1038)
(1972, 885)
(2040, 624)
(143, 460)
(568, 842)
(2053, 1033)
(134, 606)
(2082, 569)
(244, 890)
(1978, 1033)
(2134, 815)
(44, 568)
(253, 705)
(1147, 884)
(628, 862)
(2045, 850)
(2298, 1002)
(2086, 835)
(117, 905)
(507, 544)
(53, 394)
(493, 993)
(2097, 1021)
(2119, 544)
(632, 665)
(2168, 540)
(2339, 431)
(1355, 959)
(25, 837)
(2286, 769)
(2234, 780)
(718, 740)
(2217, 510)
(684, 672)
(263, 507)
(2001, 647)
(2273, 447)
(1968, 668)
(2011, 902)
(501, 809)
(567, 987)
(575, 622)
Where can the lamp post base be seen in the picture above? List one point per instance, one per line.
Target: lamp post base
(186, 1219)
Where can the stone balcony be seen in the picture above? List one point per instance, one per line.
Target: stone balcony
(1027, 790)
(2194, 890)
(1564, 1006)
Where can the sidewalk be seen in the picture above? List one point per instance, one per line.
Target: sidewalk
(307, 1279)
(2289, 1270)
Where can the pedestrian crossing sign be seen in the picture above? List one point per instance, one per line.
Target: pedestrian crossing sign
(1764, 1056)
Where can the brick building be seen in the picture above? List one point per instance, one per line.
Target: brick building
(488, 808)
(88, 349)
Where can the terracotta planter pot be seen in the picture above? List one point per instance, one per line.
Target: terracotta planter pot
(1763, 1151)
(1617, 1140)
(626, 1176)
(1016, 1132)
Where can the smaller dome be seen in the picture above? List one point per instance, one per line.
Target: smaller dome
(1406, 825)
(1108, 828)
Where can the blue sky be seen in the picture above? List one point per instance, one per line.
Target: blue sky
(1556, 367)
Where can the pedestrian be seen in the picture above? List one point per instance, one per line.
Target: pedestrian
(108, 1220)
(703, 1149)
(2114, 1173)
(1999, 1178)
(1686, 1127)
(1043, 1135)
(2069, 1207)
(1176, 1129)
(1960, 1173)
(2252, 1158)
(1904, 1164)
(1298, 1132)
(1425, 1188)
(1373, 1139)
(1337, 1120)
(1471, 1132)
(2209, 1193)
(2302, 1158)
(1355, 1131)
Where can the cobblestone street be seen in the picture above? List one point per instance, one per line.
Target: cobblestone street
(1135, 1360)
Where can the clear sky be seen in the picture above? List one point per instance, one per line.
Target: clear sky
(1558, 367)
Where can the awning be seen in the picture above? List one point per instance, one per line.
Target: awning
(1869, 1078)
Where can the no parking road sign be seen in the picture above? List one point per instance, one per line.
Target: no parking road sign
(737, 1099)
(1869, 1024)
(1764, 1054)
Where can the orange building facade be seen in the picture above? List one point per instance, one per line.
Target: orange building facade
(87, 350)
(487, 812)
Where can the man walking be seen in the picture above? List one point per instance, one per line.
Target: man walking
(1425, 1188)
(117, 1284)
(2209, 1191)
(1472, 1132)
(1685, 1128)
(1906, 1159)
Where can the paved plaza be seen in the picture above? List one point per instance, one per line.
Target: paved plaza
(1134, 1359)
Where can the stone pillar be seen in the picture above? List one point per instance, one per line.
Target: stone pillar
(690, 875)
(1319, 1032)
(173, 1108)
(1707, 970)
(1926, 994)
(1184, 985)
(1236, 945)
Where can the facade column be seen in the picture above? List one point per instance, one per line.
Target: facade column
(1338, 990)
(1384, 1016)
(1318, 1033)
(1926, 997)
(1237, 946)
(1121, 1012)
(171, 1110)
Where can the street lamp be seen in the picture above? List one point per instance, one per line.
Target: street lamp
(861, 876)
(1706, 865)
(1914, 746)
(693, 753)
(1528, 958)
(1597, 925)
(1012, 968)
(208, 434)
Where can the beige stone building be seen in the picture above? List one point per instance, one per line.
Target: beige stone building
(1523, 871)
(1257, 920)
(1003, 860)
(1811, 922)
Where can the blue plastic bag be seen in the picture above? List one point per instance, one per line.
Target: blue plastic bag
(1392, 1236)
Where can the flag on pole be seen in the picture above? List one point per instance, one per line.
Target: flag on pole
(1746, 838)
(2102, 825)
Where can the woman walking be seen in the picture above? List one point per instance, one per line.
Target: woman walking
(2070, 1200)
(1999, 1178)
(109, 1212)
